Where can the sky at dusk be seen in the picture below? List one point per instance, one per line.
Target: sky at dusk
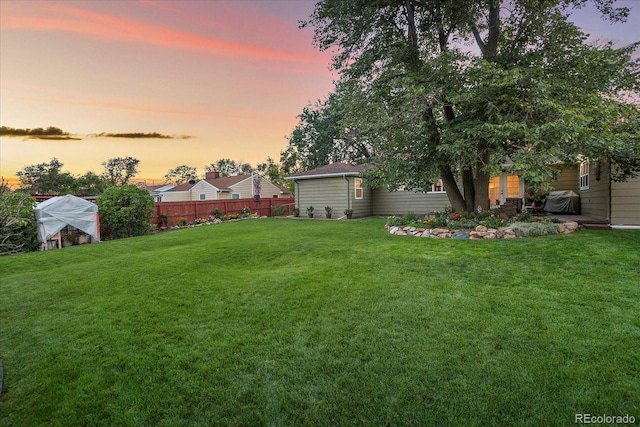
(225, 79)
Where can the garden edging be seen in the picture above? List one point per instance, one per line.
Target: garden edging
(480, 232)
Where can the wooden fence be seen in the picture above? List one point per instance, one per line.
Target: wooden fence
(190, 210)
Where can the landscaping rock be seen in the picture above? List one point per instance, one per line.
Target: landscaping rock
(437, 231)
(481, 229)
(572, 226)
(393, 230)
(460, 235)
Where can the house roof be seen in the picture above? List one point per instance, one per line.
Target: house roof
(225, 183)
(332, 170)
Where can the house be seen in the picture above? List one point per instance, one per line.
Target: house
(617, 203)
(339, 185)
(215, 187)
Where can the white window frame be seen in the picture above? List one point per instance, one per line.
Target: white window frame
(584, 175)
(235, 196)
(434, 187)
(158, 197)
(202, 196)
(357, 186)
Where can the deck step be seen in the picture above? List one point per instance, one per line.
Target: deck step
(596, 226)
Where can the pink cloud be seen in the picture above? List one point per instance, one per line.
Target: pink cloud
(57, 17)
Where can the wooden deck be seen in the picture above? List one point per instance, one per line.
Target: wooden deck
(584, 220)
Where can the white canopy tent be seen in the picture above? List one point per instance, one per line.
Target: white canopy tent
(58, 212)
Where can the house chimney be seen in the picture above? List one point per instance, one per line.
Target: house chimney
(212, 175)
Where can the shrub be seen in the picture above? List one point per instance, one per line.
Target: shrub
(246, 211)
(182, 222)
(280, 210)
(217, 213)
(527, 229)
(18, 228)
(124, 212)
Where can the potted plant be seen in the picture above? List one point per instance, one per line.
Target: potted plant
(296, 212)
(348, 213)
(310, 210)
(328, 210)
(68, 239)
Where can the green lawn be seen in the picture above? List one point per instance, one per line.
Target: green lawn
(285, 322)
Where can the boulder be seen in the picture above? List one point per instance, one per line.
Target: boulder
(481, 229)
(393, 230)
(460, 235)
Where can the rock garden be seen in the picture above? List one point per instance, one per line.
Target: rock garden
(475, 226)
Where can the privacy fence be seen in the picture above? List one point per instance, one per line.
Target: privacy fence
(174, 212)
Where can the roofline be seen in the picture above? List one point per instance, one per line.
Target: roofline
(324, 175)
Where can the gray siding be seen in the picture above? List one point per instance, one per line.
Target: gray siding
(594, 202)
(400, 202)
(625, 202)
(336, 192)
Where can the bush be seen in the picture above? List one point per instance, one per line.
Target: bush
(280, 210)
(18, 228)
(527, 229)
(124, 212)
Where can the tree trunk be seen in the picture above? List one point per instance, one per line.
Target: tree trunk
(481, 182)
(468, 187)
(451, 187)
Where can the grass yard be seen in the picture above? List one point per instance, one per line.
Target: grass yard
(283, 322)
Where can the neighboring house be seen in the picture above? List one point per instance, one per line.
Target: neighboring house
(618, 203)
(214, 187)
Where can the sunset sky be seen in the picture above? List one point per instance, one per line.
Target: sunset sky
(230, 75)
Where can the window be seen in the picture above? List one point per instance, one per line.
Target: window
(437, 187)
(235, 195)
(159, 198)
(513, 186)
(494, 191)
(358, 188)
(584, 175)
(203, 196)
(275, 196)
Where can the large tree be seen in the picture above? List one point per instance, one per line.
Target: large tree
(451, 89)
(46, 178)
(181, 174)
(320, 137)
(119, 170)
(228, 167)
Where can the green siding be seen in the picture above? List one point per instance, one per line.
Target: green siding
(337, 192)
(400, 202)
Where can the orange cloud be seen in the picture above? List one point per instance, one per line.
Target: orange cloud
(56, 17)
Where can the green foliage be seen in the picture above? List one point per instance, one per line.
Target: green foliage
(46, 178)
(319, 138)
(181, 174)
(18, 228)
(124, 212)
(119, 170)
(539, 228)
(228, 167)
(280, 210)
(537, 91)
(182, 222)
(217, 213)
